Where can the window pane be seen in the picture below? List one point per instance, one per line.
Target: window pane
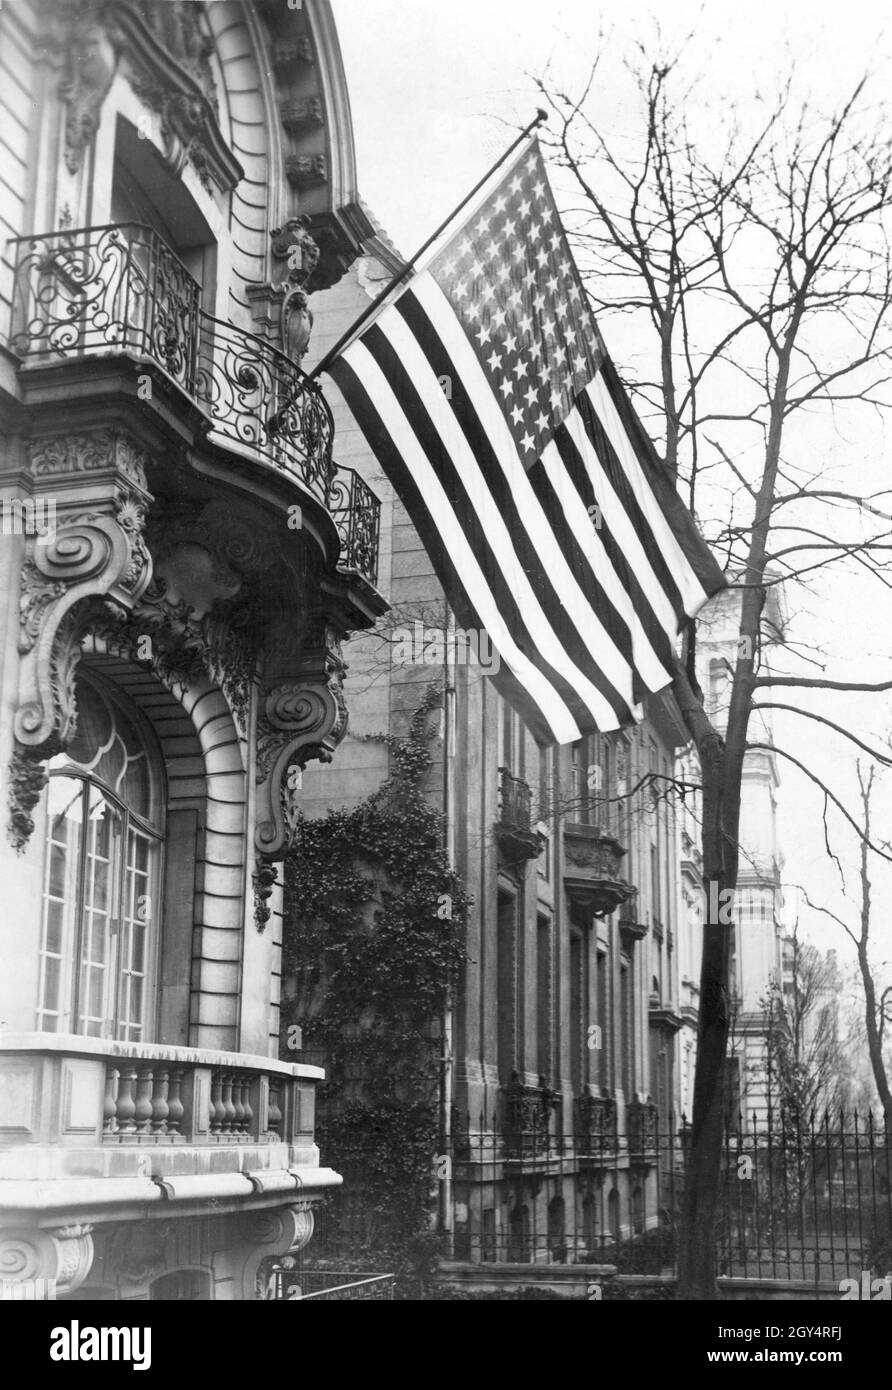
(59, 927)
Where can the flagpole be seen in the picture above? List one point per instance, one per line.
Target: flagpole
(409, 266)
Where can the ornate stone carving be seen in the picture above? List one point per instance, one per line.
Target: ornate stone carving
(27, 779)
(138, 1253)
(91, 61)
(301, 113)
(63, 454)
(593, 870)
(63, 1256)
(293, 243)
(306, 170)
(292, 53)
(264, 879)
(302, 719)
(99, 553)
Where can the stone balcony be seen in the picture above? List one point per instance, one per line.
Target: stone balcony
(516, 838)
(107, 1130)
(593, 870)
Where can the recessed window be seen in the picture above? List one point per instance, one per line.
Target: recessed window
(101, 875)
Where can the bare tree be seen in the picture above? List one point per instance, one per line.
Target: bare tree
(802, 1036)
(877, 999)
(759, 261)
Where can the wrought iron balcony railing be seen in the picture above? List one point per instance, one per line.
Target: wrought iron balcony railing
(357, 514)
(101, 291)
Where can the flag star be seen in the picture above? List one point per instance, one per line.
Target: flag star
(539, 188)
(475, 269)
(542, 420)
(498, 318)
(534, 233)
(542, 256)
(520, 369)
(527, 442)
(535, 348)
(532, 162)
(524, 207)
(488, 291)
(503, 273)
(579, 362)
(483, 224)
(552, 282)
(544, 373)
(525, 324)
(574, 292)
(561, 309)
(483, 334)
(530, 277)
(507, 388)
(516, 184)
(466, 246)
(516, 414)
(557, 399)
(563, 265)
(510, 343)
(460, 290)
(539, 302)
(449, 267)
(473, 310)
(501, 203)
(494, 360)
(546, 214)
(559, 353)
(519, 253)
(555, 240)
(531, 394)
(515, 298)
(509, 228)
(491, 250)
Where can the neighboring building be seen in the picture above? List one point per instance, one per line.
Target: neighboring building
(177, 578)
(758, 905)
(564, 1026)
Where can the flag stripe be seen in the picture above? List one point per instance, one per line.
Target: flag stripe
(504, 559)
(408, 468)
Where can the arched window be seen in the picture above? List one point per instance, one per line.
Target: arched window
(104, 828)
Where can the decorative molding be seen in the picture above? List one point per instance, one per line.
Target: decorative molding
(292, 243)
(27, 779)
(71, 454)
(289, 54)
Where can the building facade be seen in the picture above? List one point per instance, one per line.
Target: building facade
(180, 562)
(561, 1045)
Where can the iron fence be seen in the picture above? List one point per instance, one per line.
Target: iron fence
(604, 1184)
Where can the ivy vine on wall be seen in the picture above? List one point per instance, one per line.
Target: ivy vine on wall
(374, 937)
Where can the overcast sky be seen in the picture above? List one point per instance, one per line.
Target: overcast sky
(436, 92)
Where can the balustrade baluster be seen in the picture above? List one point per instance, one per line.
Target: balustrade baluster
(109, 1106)
(238, 1104)
(160, 1107)
(246, 1098)
(274, 1118)
(175, 1106)
(143, 1109)
(217, 1112)
(228, 1107)
(125, 1104)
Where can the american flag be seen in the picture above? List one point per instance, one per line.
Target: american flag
(486, 393)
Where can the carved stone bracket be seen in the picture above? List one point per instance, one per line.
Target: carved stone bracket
(264, 879)
(299, 720)
(97, 550)
(63, 1255)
